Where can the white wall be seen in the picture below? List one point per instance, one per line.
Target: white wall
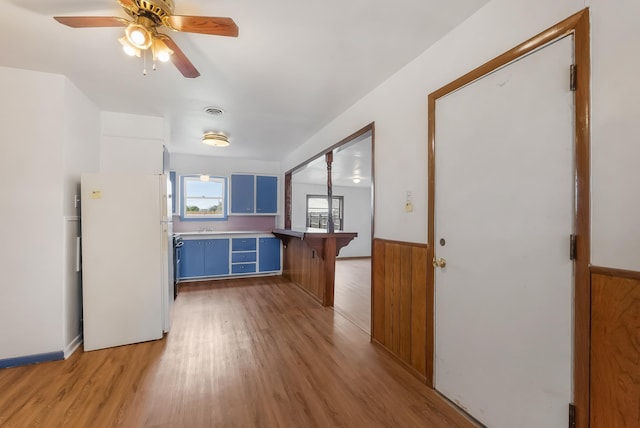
(216, 165)
(131, 143)
(48, 136)
(399, 109)
(615, 125)
(31, 194)
(357, 213)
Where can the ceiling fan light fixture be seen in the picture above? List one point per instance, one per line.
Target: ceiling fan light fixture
(215, 139)
(160, 50)
(128, 48)
(139, 36)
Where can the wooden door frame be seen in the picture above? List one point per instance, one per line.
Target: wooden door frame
(578, 26)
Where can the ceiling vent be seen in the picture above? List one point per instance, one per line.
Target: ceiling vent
(214, 111)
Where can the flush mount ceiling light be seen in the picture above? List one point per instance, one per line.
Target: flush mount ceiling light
(356, 179)
(215, 139)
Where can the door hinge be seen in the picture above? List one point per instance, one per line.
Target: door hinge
(573, 249)
(573, 77)
(572, 415)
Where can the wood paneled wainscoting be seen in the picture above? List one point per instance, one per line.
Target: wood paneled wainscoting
(615, 348)
(399, 301)
(310, 259)
(302, 266)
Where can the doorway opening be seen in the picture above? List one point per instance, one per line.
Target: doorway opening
(352, 189)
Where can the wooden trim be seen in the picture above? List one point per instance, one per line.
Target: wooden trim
(408, 244)
(618, 273)
(288, 202)
(578, 25)
(582, 284)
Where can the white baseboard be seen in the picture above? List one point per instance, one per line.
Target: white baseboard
(71, 348)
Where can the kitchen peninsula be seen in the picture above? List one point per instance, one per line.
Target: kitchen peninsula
(310, 259)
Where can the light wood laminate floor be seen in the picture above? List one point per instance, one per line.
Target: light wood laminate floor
(241, 353)
(353, 291)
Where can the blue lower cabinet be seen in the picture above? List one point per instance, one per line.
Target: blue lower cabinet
(204, 257)
(216, 257)
(269, 254)
(241, 268)
(192, 258)
(224, 256)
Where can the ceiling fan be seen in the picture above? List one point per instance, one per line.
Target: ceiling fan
(141, 33)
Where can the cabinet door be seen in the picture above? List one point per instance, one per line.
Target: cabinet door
(192, 258)
(216, 257)
(266, 195)
(242, 194)
(269, 254)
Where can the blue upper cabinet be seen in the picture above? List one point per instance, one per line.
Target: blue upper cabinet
(266, 195)
(242, 194)
(251, 194)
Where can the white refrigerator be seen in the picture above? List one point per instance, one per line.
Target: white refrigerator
(127, 258)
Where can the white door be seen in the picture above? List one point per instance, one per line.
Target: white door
(503, 216)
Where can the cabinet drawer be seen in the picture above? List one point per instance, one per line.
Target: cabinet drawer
(243, 268)
(243, 257)
(243, 244)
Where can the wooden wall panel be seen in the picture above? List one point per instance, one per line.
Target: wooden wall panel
(418, 309)
(302, 266)
(615, 349)
(378, 292)
(399, 301)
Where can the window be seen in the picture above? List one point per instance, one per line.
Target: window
(318, 211)
(203, 197)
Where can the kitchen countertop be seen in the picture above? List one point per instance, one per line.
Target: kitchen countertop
(212, 233)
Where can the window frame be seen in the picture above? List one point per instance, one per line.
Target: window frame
(340, 199)
(184, 179)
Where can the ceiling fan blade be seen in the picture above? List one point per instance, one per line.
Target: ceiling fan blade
(129, 4)
(179, 59)
(91, 21)
(204, 25)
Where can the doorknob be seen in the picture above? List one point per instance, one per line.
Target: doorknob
(440, 262)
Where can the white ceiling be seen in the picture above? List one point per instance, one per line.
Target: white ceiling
(295, 65)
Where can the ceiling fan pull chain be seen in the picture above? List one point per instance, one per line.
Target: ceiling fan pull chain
(144, 63)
